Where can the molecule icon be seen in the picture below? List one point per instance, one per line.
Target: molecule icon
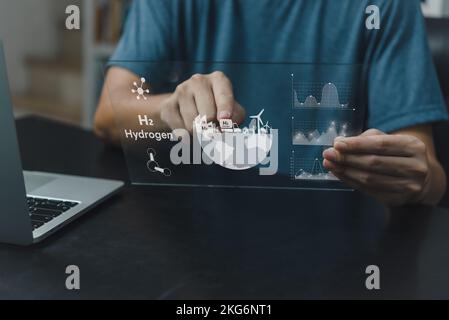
(153, 165)
(139, 90)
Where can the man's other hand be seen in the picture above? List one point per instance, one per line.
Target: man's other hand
(394, 168)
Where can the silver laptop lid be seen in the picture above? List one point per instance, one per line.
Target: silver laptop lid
(15, 224)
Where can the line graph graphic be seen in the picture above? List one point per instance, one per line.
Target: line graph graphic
(317, 95)
(310, 170)
(326, 103)
(306, 133)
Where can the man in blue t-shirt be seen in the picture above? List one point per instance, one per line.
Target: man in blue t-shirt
(394, 161)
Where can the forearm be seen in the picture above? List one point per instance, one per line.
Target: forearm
(118, 108)
(122, 111)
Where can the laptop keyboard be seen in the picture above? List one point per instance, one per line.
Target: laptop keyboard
(45, 210)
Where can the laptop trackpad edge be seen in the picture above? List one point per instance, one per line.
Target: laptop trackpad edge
(36, 181)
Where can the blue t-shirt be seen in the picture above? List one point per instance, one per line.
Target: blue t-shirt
(402, 87)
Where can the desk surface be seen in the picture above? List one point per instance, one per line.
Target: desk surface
(169, 243)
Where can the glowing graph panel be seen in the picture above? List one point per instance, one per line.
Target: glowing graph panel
(316, 95)
(315, 134)
(299, 114)
(309, 170)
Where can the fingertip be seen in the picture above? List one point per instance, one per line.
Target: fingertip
(340, 145)
(238, 114)
(330, 154)
(328, 164)
(224, 114)
(372, 132)
(339, 139)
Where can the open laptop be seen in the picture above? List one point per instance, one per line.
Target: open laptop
(35, 204)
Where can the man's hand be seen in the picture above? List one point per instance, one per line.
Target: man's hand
(206, 95)
(395, 169)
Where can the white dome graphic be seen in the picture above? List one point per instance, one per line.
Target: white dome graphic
(234, 148)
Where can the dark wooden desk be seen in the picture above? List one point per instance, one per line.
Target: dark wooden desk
(168, 243)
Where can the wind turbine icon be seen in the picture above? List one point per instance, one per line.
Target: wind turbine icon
(266, 128)
(258, 118)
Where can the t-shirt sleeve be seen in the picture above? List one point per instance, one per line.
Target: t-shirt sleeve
(146, 38)
(403, 88)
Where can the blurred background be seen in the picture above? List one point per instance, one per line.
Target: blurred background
(57, 73)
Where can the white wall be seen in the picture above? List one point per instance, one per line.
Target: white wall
(27, 27)
(436, 8)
